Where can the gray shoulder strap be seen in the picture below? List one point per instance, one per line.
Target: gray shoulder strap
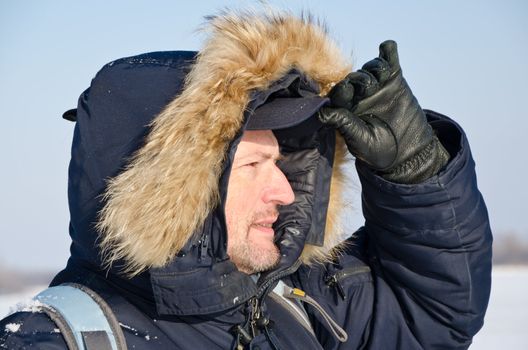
(83, 317)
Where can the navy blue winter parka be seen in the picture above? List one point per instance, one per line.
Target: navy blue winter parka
(154, 139)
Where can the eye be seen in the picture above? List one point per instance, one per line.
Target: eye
(252, 164)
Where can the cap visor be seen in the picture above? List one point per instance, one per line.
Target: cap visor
(285, 112)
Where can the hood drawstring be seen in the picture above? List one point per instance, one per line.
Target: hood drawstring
(295, 293)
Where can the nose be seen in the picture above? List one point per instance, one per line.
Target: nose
(279, 190)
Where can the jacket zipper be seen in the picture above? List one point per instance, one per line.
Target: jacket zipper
(336, 279)
(256, 321)
(262, 290)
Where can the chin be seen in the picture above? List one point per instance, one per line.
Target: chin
(265, 258)
(252, 258)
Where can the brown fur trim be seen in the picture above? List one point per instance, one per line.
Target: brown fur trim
(171, 184)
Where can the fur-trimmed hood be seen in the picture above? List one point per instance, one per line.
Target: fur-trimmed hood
(164, 186)
(153, 145)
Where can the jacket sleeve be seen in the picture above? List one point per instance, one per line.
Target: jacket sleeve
(429, 248)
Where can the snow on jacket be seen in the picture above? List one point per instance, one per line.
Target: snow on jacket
(153, 143)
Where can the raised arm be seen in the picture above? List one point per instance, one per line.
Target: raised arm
(428, 241)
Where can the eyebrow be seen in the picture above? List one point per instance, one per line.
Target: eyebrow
(264, 155)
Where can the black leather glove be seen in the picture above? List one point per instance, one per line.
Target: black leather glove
(382, 123)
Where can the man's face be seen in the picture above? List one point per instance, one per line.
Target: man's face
(256, 188)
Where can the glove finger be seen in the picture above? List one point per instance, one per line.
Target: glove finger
(365, 84)
(342, 94)
(336, 117)
(388, 50)
(379, 68)
(353, 128)
(366, 137)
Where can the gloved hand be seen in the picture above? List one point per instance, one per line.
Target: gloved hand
(382, 123)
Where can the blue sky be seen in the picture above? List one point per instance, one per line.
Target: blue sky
(466, 59)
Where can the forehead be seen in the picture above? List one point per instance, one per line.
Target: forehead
(257, 141)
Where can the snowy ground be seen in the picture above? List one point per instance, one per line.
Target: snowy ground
(507, 317)
(504, 328)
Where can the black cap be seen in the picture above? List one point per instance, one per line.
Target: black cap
(288, 102)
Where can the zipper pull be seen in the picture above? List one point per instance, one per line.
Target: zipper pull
(257, 320)
(203, 248)
(254, 315)
(245, 334)
(333, 281)
(243, 337)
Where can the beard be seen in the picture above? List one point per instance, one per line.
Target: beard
(249, 252)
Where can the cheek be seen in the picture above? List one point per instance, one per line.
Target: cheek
(240, 201)
(239, 206)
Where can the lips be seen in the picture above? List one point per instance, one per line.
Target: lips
(267, 221)
(265, 225)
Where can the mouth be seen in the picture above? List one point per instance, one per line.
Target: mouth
(265, 225)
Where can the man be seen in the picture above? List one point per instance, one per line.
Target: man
(256, 188)
(209, 220)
